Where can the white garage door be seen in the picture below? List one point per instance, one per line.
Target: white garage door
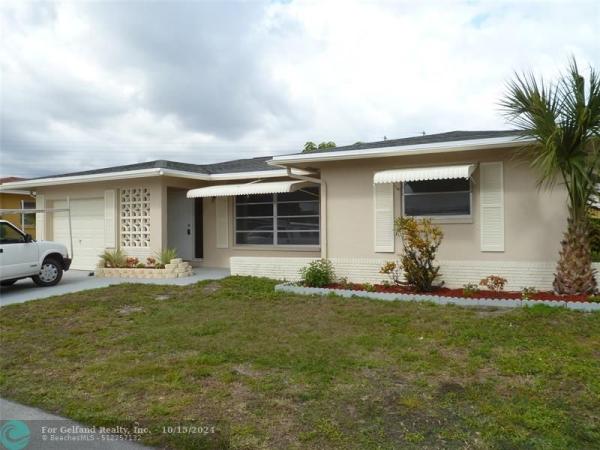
(87, 222)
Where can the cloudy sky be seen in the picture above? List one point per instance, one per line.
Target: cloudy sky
(93, 84)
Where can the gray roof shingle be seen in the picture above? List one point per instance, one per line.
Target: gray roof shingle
(425, 139)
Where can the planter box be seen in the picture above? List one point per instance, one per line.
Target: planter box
(174, 270)
(437, 299)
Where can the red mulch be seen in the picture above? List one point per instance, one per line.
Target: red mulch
(447, 292)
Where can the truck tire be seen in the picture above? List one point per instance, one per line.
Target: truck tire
(50, 273)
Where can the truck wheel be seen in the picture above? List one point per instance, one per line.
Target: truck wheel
(7, 282)
(50, 273)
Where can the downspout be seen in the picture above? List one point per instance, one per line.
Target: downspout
(323, 204)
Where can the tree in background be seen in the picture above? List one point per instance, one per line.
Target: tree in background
(564, 120)
(311, 146)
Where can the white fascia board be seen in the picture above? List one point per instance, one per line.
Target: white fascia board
(402, 150)
(110, 176)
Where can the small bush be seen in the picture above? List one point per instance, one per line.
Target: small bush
(113, 259)
(470, 289)
(318, 273)
(393, 270)
(528, 292)
(369, 287)
(420, 241)
(140, 266)
(132, 262)
(594, 298)
(150, 261)
(494, 283)
(166, 255)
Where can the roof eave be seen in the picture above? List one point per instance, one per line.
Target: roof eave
(418, 149)
(142, 173)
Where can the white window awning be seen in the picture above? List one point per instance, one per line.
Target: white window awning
(424, 174)
(228, 190)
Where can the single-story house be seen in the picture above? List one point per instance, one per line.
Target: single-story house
(270, 216)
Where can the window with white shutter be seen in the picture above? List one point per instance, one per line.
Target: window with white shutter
(491, 205)
(383, 201)
(222, 214)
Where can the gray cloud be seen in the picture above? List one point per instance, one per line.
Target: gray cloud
(92, 84)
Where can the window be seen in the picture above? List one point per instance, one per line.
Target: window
(437, 198)
(278, 219)
(27, 219)
(10, 235)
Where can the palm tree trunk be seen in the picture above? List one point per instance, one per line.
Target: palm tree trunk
(574, 273)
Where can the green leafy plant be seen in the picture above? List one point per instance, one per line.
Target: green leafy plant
(369, 287)
(528, 292)
(140, 266)
(420, 241)
(594, 298)
(470, 289)
(318, 273)
(113, 258)
(393, 270)
(494, 283)
(563, 119)
(165, 256)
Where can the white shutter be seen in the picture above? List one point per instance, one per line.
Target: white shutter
(222, 208)
(110, 218)
(383, 202)
(40, 218)
(491, 205)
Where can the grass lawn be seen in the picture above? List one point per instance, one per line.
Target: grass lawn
(272, 370)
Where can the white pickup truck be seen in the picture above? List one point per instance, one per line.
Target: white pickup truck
(22, 257)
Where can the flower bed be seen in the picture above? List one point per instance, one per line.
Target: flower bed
(390, 293)
(447, 292)
(177, 268)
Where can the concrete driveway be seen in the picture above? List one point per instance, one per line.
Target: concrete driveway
(80, 280)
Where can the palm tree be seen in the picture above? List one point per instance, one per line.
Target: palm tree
(564, 120)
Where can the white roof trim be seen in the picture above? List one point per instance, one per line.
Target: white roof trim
(436, 147)
(229, 190)
(109, 176)
(424, 173)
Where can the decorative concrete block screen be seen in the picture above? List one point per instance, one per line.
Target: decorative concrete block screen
(135, 217)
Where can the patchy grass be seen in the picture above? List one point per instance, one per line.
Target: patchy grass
(271, 370)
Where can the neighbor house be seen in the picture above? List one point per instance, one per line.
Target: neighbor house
(270, 216)
(18, 199)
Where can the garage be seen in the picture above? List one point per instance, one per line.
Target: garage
(87, 222)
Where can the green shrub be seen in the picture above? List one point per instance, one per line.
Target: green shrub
(528, 292)
(113, 259)
(393, 270)
(420, 241)
(165, 256)
(369, 287)
(594, 298)
(470, 289)
(318, 273)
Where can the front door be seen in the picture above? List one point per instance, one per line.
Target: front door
(181, 228)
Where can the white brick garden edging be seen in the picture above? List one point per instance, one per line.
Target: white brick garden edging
(177, 268)
(437, 299)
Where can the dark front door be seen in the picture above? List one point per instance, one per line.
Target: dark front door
(199, 225)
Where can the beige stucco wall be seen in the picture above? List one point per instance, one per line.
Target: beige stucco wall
(213, 257)
(534, 219)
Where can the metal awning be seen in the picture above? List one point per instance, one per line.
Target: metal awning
(424, 174)
(228, 190)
